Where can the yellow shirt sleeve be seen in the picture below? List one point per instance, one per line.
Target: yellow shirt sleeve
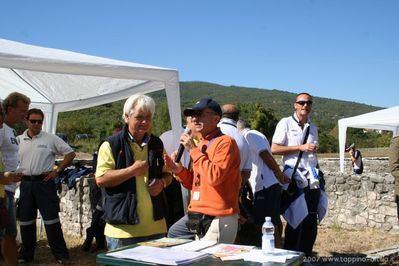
(105, 160)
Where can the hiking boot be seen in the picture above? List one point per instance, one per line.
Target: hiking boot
(86, 244)
(63, 261)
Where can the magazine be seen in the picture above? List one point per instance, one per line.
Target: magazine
(164, 242)
(227, 250)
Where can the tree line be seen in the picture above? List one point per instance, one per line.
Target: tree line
(261, 108)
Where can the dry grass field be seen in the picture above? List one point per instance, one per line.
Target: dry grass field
(330, 242)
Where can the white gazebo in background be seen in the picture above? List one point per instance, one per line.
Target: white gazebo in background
(386, 119)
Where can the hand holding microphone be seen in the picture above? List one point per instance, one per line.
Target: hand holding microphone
(181, 147)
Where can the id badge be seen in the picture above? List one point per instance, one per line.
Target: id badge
(196, 195)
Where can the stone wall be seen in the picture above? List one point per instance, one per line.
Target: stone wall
(76, 206)
(358, 201)
(355, 201)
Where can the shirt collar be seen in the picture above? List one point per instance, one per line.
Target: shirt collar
(228, 121)
(145, 141)
(296, 119)
(212, 134)
(25, 134)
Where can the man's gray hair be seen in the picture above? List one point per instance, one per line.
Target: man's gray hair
(143, 102)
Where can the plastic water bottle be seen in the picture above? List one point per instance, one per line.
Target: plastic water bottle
(268, 236)
(314, 174)
(312, 158)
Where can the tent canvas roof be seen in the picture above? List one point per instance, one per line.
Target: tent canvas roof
(386, 119)
(58, 80)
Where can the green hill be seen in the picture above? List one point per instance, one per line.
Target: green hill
(100, 120)
(280, 101)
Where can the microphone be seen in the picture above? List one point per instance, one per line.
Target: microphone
(181, 147)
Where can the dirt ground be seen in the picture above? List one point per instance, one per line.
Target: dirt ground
(335, 242)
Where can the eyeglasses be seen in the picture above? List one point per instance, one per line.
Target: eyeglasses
(304, 102)
(33, 121)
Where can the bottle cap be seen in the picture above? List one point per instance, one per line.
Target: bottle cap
(268, 219)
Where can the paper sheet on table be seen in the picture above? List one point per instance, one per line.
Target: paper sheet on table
(164, 256)
(195, 245)
(278, 255)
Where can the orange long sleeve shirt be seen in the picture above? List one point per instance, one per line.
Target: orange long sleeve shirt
(215, 179)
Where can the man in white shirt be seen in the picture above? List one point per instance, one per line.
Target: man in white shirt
(15, 106)
(37, 151)
(288, 140)
(228, 126)
(265, 180)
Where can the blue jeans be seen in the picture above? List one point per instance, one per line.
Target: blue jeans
(114, 243)
(11, 228)
(180, 230)
(3, 231)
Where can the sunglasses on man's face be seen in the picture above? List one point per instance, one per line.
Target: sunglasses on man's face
(309, 103)
(33, 121)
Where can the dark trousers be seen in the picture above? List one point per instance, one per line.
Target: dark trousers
(304, 236)
(96, 230)
(43, 196)
(175, 203)
(263, 208)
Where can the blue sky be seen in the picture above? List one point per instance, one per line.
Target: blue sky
(339, 49)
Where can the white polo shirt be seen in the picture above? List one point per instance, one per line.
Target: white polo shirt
(229, 127)
(37, 154)
(9, 151)
(261, 175)
(289, 133)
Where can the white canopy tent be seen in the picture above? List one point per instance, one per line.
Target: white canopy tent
(58, 81)
(386, 119)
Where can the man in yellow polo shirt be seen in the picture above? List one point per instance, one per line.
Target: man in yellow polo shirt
(130, 171)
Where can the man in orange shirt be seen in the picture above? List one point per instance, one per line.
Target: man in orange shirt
(214, 180)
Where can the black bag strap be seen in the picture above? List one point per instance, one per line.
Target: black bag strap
(301, 152)
(292, 187)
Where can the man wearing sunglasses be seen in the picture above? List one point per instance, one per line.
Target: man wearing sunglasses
(296, 136)
(37, 151)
